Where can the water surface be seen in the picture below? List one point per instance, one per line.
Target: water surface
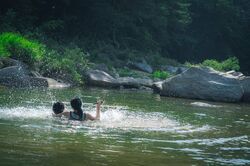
(136, 128)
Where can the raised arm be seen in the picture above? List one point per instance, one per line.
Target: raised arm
(98, 109)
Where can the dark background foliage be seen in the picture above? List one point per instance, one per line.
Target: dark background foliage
(184, 30)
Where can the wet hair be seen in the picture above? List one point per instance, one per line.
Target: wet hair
(58, 107)
(76, 104)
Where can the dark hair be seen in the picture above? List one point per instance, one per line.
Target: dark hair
(76, 104)
(58, 107)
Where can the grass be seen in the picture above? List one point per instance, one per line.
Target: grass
(16, 46)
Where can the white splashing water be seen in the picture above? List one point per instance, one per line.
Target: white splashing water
(112, 117)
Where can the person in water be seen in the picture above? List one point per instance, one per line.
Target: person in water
(77, 113)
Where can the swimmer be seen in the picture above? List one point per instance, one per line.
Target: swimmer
(77, 113)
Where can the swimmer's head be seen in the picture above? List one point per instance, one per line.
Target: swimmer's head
(76, 103)
(58, 107)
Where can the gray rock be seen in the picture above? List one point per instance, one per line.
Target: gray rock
(157, 86)
(130, 82)
(7, 62)
(203, 83)
(17, 72)
(181, 70)
(173, 69)
(142, 66)
(55, 84)
(235, 73)
(245, 83)
(170, 69)
(101, 78)
(18, 76)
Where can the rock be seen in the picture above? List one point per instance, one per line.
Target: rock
(173, 69)
(130, 82)
(181, 70)
(103, 67)
(203, 83)
(236, 74)
(245, 83)
(18, 76)
(170, 69)
(1, 65)
(14, 72)
(7, 62)
(101, 78)
(142, 66)
(157, 86)
(55, 84)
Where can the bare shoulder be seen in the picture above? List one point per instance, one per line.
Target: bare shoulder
(67, 114)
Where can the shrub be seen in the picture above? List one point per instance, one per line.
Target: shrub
(231, 63)
(72, 60)
(214, 64)
(18, 47)
(160, 74)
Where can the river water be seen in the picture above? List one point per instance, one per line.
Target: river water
(136, 128)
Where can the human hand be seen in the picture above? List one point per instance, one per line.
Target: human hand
(99, 102)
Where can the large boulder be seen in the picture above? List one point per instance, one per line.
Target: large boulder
(203, 83)
(19, 76)
(101, 78)
(245, 83)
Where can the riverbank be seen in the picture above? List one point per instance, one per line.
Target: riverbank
(193, 83)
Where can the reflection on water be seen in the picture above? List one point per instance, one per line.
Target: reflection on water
(136, 128)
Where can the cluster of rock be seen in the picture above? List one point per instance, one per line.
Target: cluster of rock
(193, 83)
(16, 74)
(206, 84)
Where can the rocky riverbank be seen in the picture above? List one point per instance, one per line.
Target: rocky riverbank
(192, 83)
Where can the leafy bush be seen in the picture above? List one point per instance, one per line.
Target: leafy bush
(231, 63)
(72, 61)
(16, 46)
(213, 63)
(188, 64)
(160, 74)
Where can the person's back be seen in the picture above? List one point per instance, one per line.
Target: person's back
(77, 113)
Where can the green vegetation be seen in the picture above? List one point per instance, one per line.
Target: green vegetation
(161, 74)
(72, 61)
(72, 32)
(117, 31)
(231, 63)
(16, 46)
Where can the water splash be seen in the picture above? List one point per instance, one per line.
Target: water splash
(112, 118)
